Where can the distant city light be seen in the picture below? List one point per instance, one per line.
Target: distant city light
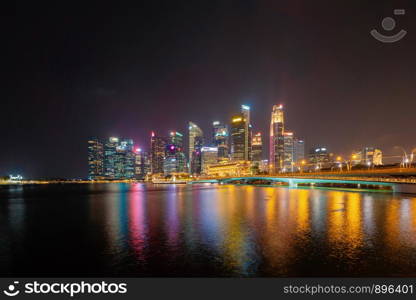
(15, 178)
(216, 123)
(246, 107)
(235, 120)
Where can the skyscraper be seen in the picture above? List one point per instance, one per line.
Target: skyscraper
(257, 148)
(319, 158)
(238, 136)
(175, 159)
(195, 145)
(298, 150)
(110, 150)
(276, 139)
(95, 159)
(288, 162)
(220, 139)
(157, 153)
(209, 157)
(245, 111)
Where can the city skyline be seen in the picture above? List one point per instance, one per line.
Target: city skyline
(85, 76)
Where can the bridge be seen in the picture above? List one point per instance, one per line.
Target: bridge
(389, 184)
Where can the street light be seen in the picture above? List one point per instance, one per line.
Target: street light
(412, 156)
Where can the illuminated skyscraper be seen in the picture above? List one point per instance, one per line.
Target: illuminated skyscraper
(220, 139)
(257, 148)
(209, 157)
(119, 159)
(319, 158)
(195, 144)
(276, 139)
(288, 162)
(176, 138)
(157, 153)
(175, 160)
(298, 150)
(110, 151)
(95, 159)
(142, 164)
(238, 136)
(245, 111)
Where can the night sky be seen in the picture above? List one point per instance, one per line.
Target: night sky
(68, 73)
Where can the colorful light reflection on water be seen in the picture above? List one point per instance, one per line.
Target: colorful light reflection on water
(205, 230)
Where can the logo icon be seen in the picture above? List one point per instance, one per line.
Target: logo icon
(389, 24)
(11, 289)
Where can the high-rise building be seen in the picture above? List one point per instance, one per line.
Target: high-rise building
(110, 151)
(157, 153)
(298, 150)
(288, 149)
(175, 159)
(209, 157)
(319, 157)
(95, 159)
(142, 164)
(119, 159)
(257, 148)
(196, 141)
(238, 138)
(176, 138)
(220, 139)
(276, 139)
(245, 111)
(124, 160)
(147, 163)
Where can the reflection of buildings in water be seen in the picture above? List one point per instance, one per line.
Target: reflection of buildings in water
(137, 222)
(279, 230)
(345, 226)
(236, 239)
(354, 220)
(108, 210)
(173, 206)
(336, 207)
(369, 226)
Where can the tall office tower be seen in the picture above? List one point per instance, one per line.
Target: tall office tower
(220, 139)
(142, 164)
(257, 148)
(176, 138)
(298, 150)
(288, 162)
(157, 153)
(319, 157)
(124, 160)
(175, 160)
(238, 136)
(209, 157)
(195, 144)
(110, 151)
(245, 111)
(95, 159)
(126, 148)
(276, 140)
(147, 163)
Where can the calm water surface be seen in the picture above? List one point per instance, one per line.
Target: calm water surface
(204, 230)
